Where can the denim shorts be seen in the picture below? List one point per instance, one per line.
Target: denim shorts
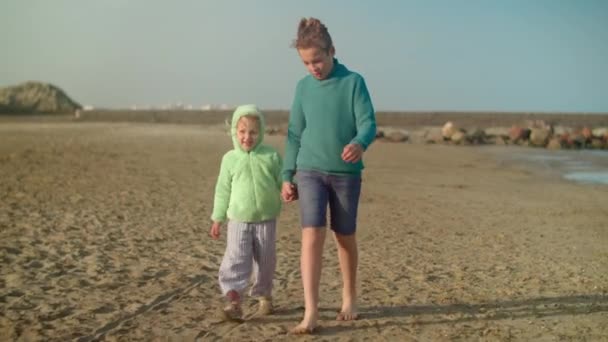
(318, 189)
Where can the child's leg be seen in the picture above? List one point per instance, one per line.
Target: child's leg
(264, 258)
(343, 204)
(235, 269)
(311, 258)
(348, 256)
(313, 195)
(264, 264)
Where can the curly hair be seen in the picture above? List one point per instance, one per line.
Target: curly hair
(312, 33)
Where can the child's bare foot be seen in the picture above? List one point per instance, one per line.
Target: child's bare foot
(266, 308)
(306, 327)
(347, 314)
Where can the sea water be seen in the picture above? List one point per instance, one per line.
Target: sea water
(583, 166)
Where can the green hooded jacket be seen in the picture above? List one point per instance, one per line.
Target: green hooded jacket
(248, 187)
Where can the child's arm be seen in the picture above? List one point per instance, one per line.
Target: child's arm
(364, 115)
(297, 123)
(222, 192)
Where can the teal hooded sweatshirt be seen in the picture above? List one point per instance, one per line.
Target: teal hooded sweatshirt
(248, 187)
(325, 116)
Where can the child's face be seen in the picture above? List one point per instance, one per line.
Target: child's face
(247, 133)
(317, 61)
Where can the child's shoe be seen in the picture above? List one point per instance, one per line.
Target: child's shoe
(233, 311)
(265, 306)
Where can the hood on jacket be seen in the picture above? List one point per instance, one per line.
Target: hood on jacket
(241, 111)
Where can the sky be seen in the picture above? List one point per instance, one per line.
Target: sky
(415, 55)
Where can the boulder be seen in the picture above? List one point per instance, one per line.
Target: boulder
(458, 137)
(565, 140)
(448, 130)
(498, 140)
(517, 133)
(476, 136)
(539, 136)
(597, 143)
(433, 135)
(497, 131)
(600, 132)
(271, 130)
(586, 133)
(577, 140)
(418, 136)
(559, 130)
(554, 144)
(537, 124)
(397, 136)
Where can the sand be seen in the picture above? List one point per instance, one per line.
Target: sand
(104, 236)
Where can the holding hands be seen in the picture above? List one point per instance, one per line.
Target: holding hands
(289, 192)
(351, 153)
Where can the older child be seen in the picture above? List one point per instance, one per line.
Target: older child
(331, 124)
(248, 195)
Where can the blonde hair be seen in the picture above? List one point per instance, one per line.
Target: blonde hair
(250, 119)
(312, 33)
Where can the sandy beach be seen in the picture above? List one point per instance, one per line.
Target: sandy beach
(104, 236)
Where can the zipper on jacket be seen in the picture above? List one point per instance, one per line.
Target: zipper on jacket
(255, 195)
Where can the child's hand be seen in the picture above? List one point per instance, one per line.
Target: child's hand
(352, 153)
(289, 192)
(215, 230)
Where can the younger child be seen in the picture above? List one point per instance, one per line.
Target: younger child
(247, 194)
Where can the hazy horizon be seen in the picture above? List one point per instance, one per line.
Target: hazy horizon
(416, 56)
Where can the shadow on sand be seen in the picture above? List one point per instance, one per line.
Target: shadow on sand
(534, 308)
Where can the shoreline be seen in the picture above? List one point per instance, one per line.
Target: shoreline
(583, 167)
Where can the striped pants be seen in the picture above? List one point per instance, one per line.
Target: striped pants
(250, 248)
